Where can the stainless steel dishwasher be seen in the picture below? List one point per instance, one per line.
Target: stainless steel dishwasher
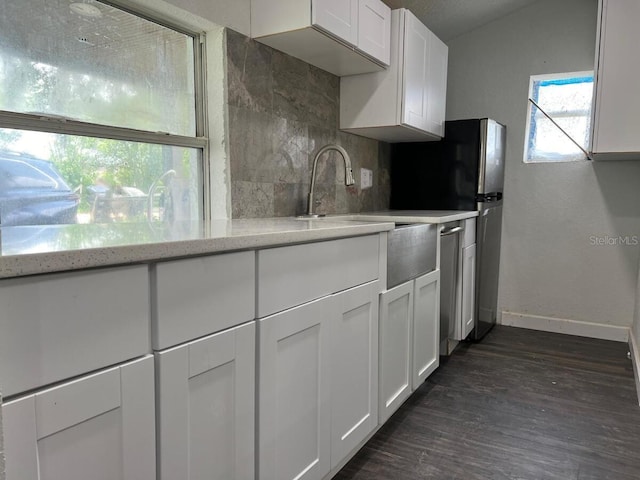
(449, 284)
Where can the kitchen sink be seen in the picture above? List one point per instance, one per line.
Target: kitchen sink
(411, 252)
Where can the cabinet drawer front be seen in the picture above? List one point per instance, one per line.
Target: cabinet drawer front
(70, 432)
(289, 276)
(201, 296)
(59, 326)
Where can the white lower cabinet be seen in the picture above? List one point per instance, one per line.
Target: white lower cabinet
(467, 307)
(317, 383)
(396, 318)
(98, 427)
(58, 326)
(354, 369)
(426, 327)
(409, 339)
(294, 409)
(206, 397)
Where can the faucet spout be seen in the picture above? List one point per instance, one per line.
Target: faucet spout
(348, 172)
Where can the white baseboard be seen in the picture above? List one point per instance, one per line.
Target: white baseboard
(564, 325)
(635, 359)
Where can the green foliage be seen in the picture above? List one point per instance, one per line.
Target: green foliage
(86, 161)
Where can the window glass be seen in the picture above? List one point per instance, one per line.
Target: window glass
(108, 180)
(93, 62)
(128, 146)
(567, 98)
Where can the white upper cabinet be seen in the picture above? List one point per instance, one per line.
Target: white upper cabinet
(416, 73)
(406, 102)
(337, 17)
(615, 115)
(374, 32)
(343, 37)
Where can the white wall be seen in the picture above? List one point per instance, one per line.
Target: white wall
(549, 266)
(235, 14)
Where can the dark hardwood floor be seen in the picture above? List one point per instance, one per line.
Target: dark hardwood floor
(520, 405)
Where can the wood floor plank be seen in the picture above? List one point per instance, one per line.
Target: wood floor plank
(519, 405)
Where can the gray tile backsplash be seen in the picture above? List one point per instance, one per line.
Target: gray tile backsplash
(281, 111)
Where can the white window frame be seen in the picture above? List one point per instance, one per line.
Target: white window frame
(172, 18)
(555, 114)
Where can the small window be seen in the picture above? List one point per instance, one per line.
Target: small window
(567, 98)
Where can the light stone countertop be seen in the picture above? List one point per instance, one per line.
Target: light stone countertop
(56, 248)
(410, 216)
(33, 250)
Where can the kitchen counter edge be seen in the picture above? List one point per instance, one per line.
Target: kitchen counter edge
(216, 237)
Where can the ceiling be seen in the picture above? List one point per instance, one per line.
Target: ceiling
(451, 18)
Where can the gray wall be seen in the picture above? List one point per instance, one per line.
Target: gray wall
(1, 444)
(549, 265)
(636, 321)
(281, 111)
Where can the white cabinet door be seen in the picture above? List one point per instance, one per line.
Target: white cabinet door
(99, 427)
(417, 40)
(468, 290)
(206, 392)
(616, 121)
(436, 85)
(405, 102)
(426, 327)
(354, 369)
(374, 29)
(396, 314)
(338, 17)
(294, 397)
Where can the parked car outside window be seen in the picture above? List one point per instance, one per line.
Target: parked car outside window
(32, 192)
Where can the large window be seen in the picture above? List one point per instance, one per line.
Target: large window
(105, 103)
(567, 98)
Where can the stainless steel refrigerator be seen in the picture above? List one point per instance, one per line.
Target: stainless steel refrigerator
(464, 171)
